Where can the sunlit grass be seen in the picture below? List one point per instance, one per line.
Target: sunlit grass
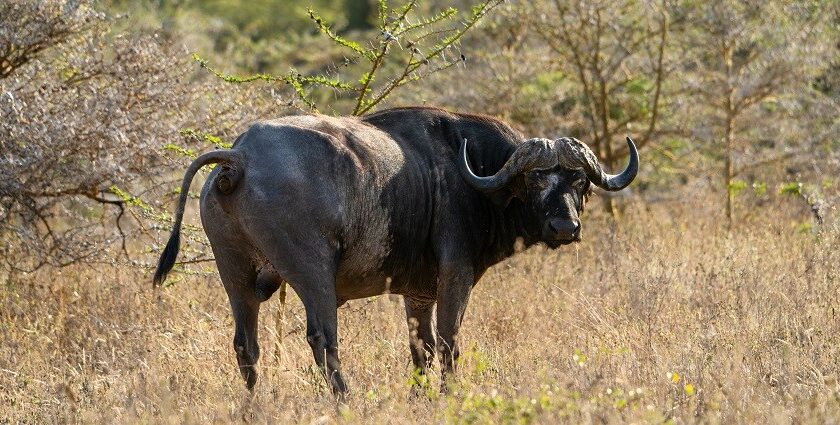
(642, 322)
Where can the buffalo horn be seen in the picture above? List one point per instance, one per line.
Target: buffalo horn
(572, 153)
(530, 154)
(567, 152)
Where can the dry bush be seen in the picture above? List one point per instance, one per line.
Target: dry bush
(84, 112)
(663, 316)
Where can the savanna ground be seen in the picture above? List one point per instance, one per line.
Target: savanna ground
(662, 316)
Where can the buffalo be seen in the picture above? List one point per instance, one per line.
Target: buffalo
(414, 201)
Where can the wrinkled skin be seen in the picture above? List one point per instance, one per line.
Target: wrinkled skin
(347, 208)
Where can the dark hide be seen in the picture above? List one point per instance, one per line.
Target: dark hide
(346, 208)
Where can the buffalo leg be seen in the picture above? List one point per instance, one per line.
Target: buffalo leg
(453, 293)
(421, 333)
(245, 315)
(306, 256)
(238, 277)
(322, 331)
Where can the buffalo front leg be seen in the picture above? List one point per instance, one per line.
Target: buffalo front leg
(453, 294)
(421, 334)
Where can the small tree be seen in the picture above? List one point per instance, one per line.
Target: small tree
(751, 72)
(616, 55)
(406, 48)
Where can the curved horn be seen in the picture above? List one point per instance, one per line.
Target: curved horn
(572, 153)
(530, 154)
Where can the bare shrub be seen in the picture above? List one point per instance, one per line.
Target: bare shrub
(83, 110)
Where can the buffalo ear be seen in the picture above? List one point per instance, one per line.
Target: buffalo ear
(514, 189)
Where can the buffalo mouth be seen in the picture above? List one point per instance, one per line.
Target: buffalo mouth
(557, 243)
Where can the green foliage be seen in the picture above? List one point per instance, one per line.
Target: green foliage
(181, 150)
(228, 78)
(267, 19)
(640, 85)
(133, 201)
(545, 82)
(206, 137)
(408, 47)
(805, 227)
(791, 189)
(483, 408)
(736, 186)
(299, 83)
(760, 188)
(339, 40)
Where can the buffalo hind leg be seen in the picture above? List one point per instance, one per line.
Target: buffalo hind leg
(319, 300)
(421, 336)
(308, 264)
(238, 277)
(245, 343)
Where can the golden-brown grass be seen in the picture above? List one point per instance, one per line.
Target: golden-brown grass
(665, 316)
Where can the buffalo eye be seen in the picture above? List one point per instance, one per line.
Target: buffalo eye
(579, 185)
(585, 193)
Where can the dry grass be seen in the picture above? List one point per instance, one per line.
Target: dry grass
(663, 317)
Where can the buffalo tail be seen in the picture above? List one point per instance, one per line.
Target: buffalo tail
(229, 158)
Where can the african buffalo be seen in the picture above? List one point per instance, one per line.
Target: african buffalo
(413, 201)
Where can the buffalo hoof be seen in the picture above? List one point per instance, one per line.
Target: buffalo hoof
(249, 373)
(246, 367)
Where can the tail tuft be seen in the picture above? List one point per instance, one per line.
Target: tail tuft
(168, 256)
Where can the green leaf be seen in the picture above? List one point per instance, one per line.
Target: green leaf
(341, 41)
(181, 150)
(736, 186)
(215, 140)
(760, 188)
(792, 189)
(639, 86)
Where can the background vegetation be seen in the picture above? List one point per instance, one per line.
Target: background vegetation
(706, 292)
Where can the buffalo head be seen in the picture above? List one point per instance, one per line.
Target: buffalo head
(552, 178)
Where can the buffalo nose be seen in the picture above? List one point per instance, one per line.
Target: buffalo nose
(565, 229)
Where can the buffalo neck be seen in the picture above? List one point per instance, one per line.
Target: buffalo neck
(508, 227)
(505, 225)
